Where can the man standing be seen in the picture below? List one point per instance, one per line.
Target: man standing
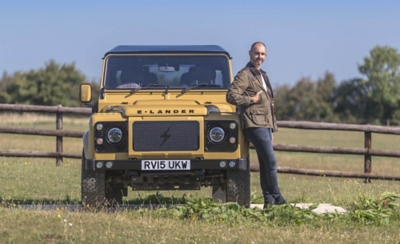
(251, 91)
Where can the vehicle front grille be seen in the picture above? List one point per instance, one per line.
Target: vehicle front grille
(166, 135)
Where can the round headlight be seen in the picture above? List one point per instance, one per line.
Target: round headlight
(114, 135)
(216, 134)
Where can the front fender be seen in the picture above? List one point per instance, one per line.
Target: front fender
(86, 144)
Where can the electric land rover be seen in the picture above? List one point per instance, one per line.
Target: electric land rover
(162, 122)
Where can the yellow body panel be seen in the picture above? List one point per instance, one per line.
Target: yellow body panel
(160, 105)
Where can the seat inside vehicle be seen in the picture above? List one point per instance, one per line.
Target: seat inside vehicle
(204, 74)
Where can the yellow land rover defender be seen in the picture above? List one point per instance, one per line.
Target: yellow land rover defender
(161, 122)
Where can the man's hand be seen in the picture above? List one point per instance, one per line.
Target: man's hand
(256, 97)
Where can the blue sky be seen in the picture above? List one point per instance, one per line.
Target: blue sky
(303, 38)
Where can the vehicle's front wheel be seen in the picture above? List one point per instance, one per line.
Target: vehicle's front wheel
(236, 188)
(92, 187)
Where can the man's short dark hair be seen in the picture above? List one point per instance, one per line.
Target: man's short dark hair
(256, 43)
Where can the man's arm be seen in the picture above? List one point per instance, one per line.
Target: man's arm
(237, 94)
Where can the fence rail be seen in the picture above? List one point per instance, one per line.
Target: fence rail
(367, 151)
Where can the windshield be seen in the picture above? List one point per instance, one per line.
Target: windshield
(157, 72)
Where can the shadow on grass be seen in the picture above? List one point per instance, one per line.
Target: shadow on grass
(154, 199)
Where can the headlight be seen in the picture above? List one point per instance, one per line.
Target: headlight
(114, 135)
(216, 134)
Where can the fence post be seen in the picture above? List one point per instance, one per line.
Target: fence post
(367, 156)
(59, 139)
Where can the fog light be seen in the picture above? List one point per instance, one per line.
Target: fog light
(99, 165)
(232, 140)
(232, 126)
(222, 164)
(232, 164)
(109, 164)
(99, 141)
(99, 126)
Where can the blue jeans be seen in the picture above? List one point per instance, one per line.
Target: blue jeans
(261, 138)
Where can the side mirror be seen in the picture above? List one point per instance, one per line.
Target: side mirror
(85, 93)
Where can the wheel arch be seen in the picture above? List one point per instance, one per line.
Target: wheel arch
(86, 144)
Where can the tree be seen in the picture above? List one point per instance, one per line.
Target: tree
(54, 84)
(350, 101)
(382, 86)
(307, 100)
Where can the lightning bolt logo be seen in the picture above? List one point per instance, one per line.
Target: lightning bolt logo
(166, 136)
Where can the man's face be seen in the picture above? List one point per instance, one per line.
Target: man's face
(257, 55)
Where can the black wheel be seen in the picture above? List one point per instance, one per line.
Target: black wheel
(93, 187)
(238, 187)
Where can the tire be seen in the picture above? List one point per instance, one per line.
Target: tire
(92, 187)
(238, 187)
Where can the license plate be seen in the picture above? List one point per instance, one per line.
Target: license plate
(165, 164)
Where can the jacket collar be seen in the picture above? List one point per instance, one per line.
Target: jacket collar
(254, 70)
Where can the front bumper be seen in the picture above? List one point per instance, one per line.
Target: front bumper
(93, 165)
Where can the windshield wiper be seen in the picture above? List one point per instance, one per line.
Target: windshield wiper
(152, 85)
(133, 90)
(198, 86)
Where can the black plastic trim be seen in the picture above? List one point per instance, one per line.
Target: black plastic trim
(241, 164)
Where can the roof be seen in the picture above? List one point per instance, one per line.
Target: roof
(167, 49)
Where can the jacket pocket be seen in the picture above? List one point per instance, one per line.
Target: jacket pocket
(259, 116)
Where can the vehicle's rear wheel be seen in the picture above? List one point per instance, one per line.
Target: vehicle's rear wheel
(92, 187)
(236, 188)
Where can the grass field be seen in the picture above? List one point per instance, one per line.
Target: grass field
(39, 181)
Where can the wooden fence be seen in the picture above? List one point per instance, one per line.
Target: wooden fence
(367, 151)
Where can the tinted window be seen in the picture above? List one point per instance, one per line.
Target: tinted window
(173, 71)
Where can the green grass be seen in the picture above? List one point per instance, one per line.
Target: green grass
(34, 180)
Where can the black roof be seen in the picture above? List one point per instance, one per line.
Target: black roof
(167, 49)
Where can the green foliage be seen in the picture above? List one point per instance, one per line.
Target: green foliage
(374, 100)
(350, 101)
(307, 100)
(382, 86)
(366, 210)
(205, 209)
(372, 210)
(54, 84)
(159, 198)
